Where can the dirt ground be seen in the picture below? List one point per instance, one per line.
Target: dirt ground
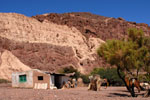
(111, 93)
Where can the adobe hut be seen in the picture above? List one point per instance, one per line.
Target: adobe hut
(38, 79)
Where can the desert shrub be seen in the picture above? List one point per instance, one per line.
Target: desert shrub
(71, 70)
(77, 74)
(144, 78)
(85, 78)
(110, 74)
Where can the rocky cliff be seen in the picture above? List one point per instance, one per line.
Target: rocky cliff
(54, 41)
(94, 25)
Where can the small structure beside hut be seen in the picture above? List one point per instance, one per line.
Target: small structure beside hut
(38, 79)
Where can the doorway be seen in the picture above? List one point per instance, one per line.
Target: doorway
(58, 81)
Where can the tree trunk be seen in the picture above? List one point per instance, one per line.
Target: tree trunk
(129, 88)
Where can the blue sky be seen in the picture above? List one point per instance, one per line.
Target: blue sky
(131, 10)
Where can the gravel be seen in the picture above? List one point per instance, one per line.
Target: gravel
(80, 93)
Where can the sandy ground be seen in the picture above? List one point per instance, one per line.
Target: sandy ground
(111, 93)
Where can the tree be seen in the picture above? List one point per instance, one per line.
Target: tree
(70, 69)
(110, 74)
(77, 74)
(131, 55)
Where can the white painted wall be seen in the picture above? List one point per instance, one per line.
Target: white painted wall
(28, 83)
(52, 82)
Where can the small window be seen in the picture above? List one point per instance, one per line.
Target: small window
(22, 78)
(40, 77)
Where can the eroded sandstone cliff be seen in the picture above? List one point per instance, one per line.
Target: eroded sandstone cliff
(46, 45)
(53, 41)
(94, 25)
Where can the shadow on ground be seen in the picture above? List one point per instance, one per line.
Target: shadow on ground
(124, 94)
(118, 94)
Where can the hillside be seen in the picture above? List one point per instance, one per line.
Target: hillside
(8, 63)
(94, 25)
(53, 41)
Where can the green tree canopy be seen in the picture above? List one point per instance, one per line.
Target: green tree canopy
(110, 74)
(131, 55)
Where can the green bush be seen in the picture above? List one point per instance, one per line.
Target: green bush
(77, 75)
(71, 70)
(144, 78)
(110, 74)
(85, 78)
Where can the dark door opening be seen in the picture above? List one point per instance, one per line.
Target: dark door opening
(57, 82)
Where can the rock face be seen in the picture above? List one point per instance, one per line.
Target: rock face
(46, 45)
(94, 25)
(54, 41)
(10, 63)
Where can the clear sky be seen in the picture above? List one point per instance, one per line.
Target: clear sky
(131, 10)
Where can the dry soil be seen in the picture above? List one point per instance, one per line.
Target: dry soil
(111, 93)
